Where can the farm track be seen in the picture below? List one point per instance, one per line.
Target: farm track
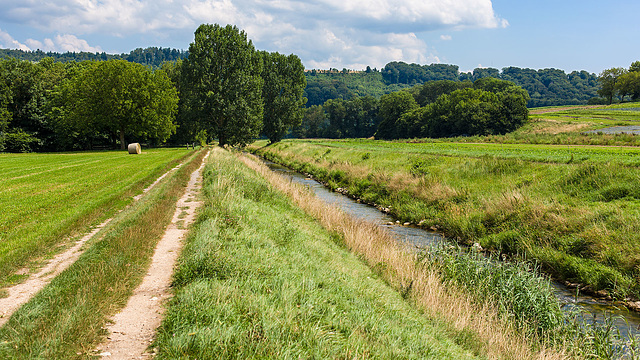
(133, 329)
(21, 293)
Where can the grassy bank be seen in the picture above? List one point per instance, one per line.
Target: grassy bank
(65, 320)
(580, 221)
(46, 198)
(259, 278)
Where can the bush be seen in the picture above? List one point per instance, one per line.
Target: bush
(18, 141)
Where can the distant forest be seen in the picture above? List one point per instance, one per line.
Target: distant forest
(151, 56)
(546, 87)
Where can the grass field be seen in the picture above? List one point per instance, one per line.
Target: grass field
(66, 319)
(567, 125)
(259, 278)
(46, 198)
(574, 210)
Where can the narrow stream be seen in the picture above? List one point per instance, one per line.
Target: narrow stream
(592, 309)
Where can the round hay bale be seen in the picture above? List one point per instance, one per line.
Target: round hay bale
(134, 148)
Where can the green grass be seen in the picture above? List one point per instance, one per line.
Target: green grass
(260, 279)
(45, 198)
(580, 218)
(65, 320)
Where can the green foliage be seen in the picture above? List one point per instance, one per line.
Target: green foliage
(151, 56)
(224, 87)
(18, 141)
(120, 98)
(608, 80)
(492, 106)
(518, 289)
(392, 106)
(284, 83)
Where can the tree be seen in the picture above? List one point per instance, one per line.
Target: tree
(392, 106)
(635, 66)
(224, 84)
(608, 79)
(282, 93)
(628, 84)
(121, 98)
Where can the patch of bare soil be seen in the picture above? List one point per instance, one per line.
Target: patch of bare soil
(21, 293)
(544, 111)
(133, 329)
(549, 126)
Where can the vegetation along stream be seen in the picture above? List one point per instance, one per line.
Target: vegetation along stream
(591, 309)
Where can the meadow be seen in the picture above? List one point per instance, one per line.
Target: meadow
(67, 318)
(47, 199)
(573, 210)
(269, 271)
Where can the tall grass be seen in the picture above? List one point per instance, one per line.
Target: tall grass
(258, 278)
(473, 322)
(579, 221)
(65, 320)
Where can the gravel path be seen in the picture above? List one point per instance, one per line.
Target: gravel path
(133, 329)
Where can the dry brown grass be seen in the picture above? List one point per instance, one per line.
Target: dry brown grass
(402, 271)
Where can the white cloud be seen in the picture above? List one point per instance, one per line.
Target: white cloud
(325, 33)
(445, 37)
(8, 42)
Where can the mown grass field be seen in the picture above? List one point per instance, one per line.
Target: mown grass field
(66, 319)
(46, 198)
(575, 210)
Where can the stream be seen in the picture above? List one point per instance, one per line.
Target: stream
(590, 308)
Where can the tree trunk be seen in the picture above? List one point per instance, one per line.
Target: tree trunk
(122, 146)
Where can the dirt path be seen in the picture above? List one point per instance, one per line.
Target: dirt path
(133, 329)
(23, 292)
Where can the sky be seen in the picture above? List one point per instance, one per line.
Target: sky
(353, 34)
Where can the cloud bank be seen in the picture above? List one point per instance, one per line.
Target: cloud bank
(324, 33)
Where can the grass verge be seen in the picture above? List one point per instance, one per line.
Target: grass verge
(580, 221)
(65, 320)
(259, 278)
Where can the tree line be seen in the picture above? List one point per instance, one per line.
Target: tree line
(620, 82)
(546, 87)
(225, 90)
(151, 56)
(441, 108)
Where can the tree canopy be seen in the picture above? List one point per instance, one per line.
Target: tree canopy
(224, 84)
(282, 93)
(120, 98)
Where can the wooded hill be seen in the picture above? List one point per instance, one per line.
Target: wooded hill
(151, 56)
(546, 87)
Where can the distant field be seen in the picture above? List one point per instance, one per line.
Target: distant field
(47, 197)
(597, 117)
(529, 152)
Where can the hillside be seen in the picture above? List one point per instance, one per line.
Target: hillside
(151, 56)
(546, 87)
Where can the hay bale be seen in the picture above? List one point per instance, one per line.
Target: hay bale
(134, 148)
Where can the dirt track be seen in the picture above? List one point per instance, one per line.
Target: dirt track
(133, 329)
(23, 292)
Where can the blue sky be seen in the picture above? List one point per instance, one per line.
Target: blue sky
(564, 34)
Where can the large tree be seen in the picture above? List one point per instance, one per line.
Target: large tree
(224, 84)
(282, 93)
(120, 98)
(608, 80)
